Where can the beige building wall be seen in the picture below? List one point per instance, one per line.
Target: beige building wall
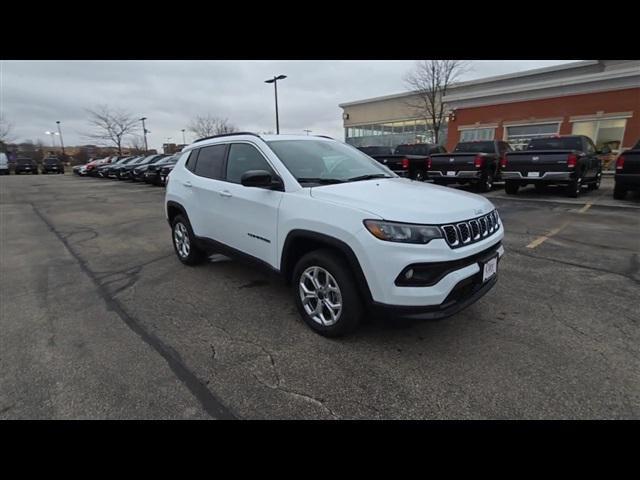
(380, 111)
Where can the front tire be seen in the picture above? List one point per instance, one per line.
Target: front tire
(184, 242)
(325, 293)
(511, 187)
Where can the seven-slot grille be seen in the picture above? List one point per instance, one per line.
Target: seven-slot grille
(470, 231)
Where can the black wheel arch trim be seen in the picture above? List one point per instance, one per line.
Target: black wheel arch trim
(172, 204)
(344, 248)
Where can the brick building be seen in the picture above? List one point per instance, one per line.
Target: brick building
(598, 98)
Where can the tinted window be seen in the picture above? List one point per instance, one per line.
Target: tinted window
(242, 158)
(419, 149)
(555, 143)
(190, 163)
(376, 150)
(210, 161)
(475, 147)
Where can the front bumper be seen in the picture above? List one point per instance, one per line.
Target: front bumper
(465, 293)
(382, 262)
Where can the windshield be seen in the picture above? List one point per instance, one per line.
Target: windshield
(319, 161)
(49, 161)
(555, 143)
(22, 161)
(475, 147)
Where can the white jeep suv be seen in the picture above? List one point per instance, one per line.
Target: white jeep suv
(350, 236)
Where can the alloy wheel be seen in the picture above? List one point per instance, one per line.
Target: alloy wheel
(320, 295)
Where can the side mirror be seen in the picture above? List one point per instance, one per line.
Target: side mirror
(260, 179)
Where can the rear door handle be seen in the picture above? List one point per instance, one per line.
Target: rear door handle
(187, 184)
(226, 194)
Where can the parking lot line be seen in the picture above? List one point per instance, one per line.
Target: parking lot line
(585, 208)
(541, 239)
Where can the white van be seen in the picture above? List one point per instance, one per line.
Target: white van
(4, 164)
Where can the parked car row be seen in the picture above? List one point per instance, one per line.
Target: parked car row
(29, 165)
(571, 161)
(152, 169)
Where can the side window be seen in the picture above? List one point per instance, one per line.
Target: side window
(190, 163)
(210, 161)
(242, 158)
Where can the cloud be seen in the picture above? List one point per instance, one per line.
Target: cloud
(35, 94)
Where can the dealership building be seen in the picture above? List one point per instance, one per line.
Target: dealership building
(597, 98)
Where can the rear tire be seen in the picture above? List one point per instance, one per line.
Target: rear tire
(574, 188)
(328, 283)
(619, 193)
(486, 183)
(511, 187)
(184, 242)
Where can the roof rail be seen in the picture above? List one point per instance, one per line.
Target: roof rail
(227, 135)
(324, 136)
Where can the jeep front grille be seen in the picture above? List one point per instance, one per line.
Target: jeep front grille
(471, 231)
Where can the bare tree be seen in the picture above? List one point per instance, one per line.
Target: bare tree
(208, 125)
(5, 131)
(111, 126)
(429, 81)
(136, 145)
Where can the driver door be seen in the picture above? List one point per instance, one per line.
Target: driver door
(249, 215)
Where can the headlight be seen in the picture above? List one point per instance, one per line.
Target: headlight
(402, 232)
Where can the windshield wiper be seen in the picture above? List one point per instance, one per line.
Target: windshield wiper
(322, 181)
(368, 177)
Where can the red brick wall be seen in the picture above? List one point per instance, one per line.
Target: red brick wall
(565, 107)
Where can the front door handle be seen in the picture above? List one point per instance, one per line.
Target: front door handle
(187, 184)
(226, 194)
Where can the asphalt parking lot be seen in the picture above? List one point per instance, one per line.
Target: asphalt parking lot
(100, 320)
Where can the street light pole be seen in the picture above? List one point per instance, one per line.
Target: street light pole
(184, 142)
(61, 142)
(274, 80)
(53, 142)
(308, 131)
(144, 131)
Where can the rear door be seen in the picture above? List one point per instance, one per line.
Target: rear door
(206, 186)
(249, 214)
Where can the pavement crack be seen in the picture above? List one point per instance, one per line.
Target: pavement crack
(209, 402)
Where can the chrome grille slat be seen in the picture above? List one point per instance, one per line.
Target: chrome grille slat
(471, 231)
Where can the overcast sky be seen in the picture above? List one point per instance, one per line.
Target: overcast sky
(34, 94)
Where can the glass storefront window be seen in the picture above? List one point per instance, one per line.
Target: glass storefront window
(604, 133)
(472, 134)
(519, 136)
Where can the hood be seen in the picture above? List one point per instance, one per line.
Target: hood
(406, 200)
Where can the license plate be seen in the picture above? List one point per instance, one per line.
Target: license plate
(533, 174)
(490, 269)
(451, 174)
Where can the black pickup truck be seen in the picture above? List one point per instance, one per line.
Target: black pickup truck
(627, 172)
(570, 160)
(475, 163)
(409, 160)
